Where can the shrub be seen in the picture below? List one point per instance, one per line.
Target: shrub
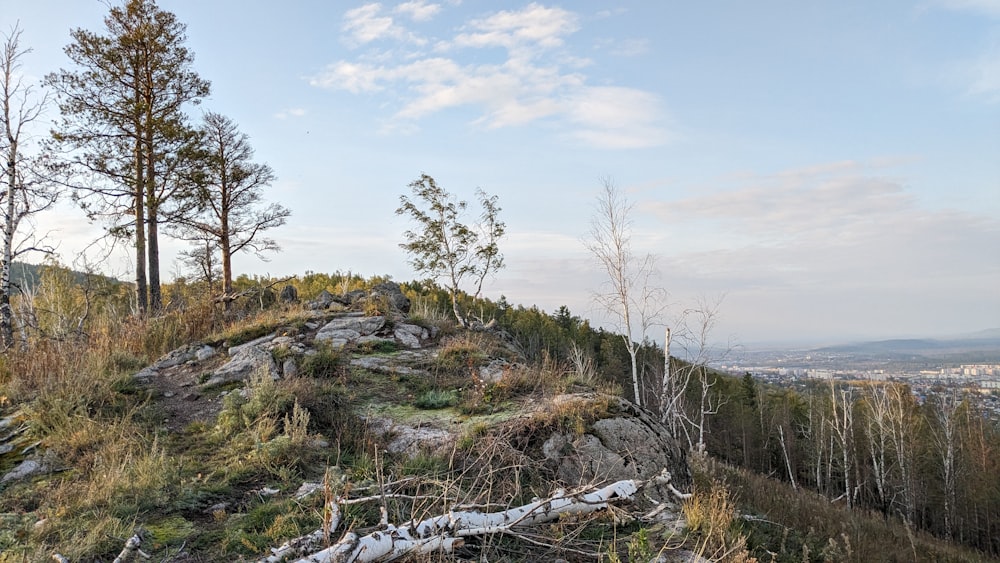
(324, 363)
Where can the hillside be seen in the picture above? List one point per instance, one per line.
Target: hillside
(27, 277)
(985, 344)
(364, 411)
(235, 444)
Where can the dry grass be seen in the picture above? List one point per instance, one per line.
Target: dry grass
(788, 525)
(712, 518)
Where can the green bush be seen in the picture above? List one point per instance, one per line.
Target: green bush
(326, 362)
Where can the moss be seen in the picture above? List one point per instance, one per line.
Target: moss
(169, 531)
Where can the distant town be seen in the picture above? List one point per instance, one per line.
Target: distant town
(971, 368)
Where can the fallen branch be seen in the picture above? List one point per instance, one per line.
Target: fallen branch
(444, 533)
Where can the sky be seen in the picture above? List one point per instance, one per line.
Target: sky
(824, 171)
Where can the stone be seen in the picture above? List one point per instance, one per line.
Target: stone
(289, 368)
(307, 489)
(233, 351)
(245, 362)
(411, 441)
(394, 295)
(322, 301)
(289, 294)
(204, 353)
(383, 364)
(494, 371)
(349, 328)
(409, 335)
(23, 470)
(630, 445)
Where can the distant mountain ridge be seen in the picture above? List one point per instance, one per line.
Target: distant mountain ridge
(986, 342)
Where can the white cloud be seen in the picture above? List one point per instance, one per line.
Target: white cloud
(369, 23)
(629, 47)
(418, 10)
(353, 77)
(291, 112)
(538, 79)
(532, 27)
(616, 117)
(834, 227)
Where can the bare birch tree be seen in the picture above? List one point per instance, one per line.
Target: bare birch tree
(842, 426)
(944, 430)
(629, 295)
(25, 193)
(694, 329)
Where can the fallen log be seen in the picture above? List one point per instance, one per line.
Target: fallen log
(444, 533)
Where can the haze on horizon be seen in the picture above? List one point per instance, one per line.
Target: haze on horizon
(831, 169)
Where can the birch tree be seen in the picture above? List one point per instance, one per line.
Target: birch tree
(629, 296)
(24, 193)
(444, 247)
(944, 429)
(842, 432)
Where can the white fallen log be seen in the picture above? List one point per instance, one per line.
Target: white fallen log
(308, 543)
(445, 532)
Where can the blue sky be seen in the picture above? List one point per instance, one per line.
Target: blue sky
(831, 168)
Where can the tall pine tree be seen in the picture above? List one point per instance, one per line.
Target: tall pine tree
(123, 125)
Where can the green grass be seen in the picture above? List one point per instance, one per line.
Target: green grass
(437, 399)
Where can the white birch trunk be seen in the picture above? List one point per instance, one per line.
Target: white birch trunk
(444, 533)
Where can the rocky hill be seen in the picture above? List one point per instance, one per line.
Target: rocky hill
(348, 429)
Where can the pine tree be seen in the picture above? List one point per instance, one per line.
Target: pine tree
(124, 124)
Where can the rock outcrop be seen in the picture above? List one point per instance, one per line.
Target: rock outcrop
(629, 444)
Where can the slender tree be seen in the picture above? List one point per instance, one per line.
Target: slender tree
(228, 191)
(123, 114)
(629, 296)
(24, 193)
(446, 248)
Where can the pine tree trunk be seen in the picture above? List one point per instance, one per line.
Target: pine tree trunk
(227, 265)
(152, 212)
(138, 196)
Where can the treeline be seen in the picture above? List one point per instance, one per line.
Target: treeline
(871, 445)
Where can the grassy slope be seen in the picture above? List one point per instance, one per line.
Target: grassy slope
(203, 490)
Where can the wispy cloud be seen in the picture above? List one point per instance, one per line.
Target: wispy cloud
(418, 10)
(840, 225)
(980, 75)
(368, 23)
(290, 112)
(539, 78)
(983, 76)
(628, 47)
(520, 31)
